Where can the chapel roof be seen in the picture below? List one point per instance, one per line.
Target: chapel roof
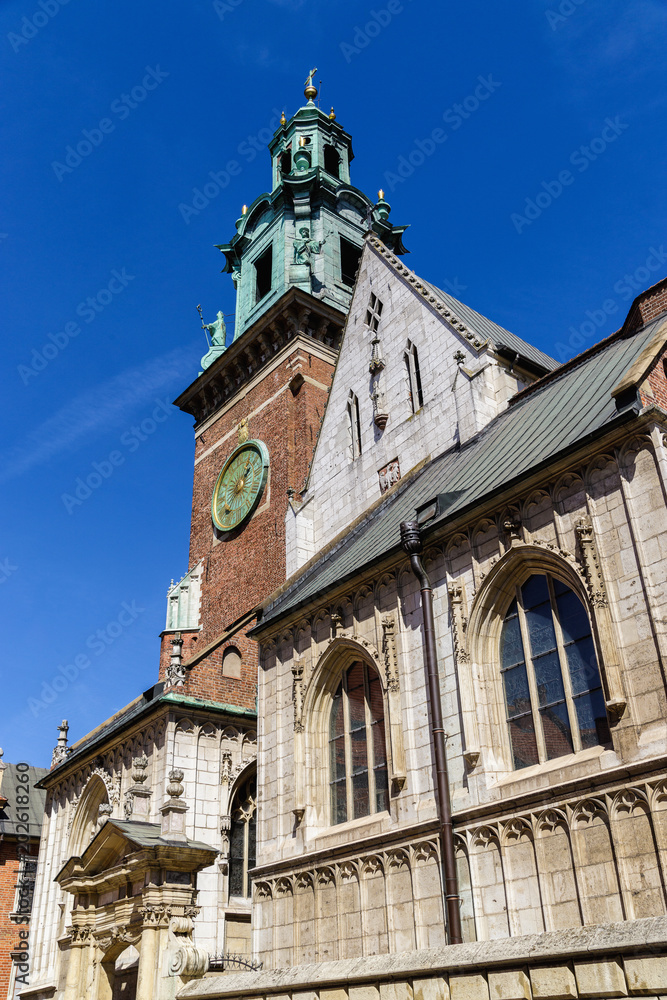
(538, 427)
(13, 780)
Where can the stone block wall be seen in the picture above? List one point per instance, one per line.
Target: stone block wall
(575, 841)
(610, 961)
(463, 388)
(214, 751)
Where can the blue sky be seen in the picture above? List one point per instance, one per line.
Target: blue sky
(540, 201)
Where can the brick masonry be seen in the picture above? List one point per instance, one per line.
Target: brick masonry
(284, 409)
(10, 931)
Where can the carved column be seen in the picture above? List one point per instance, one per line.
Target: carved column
(398, 768)
(610, 668)
(297, 698)
(471, 750)
(154, 918)
(74, 988)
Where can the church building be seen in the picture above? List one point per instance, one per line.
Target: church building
(409, 735)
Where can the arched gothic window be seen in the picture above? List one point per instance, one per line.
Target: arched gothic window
(242, 838)
(553, 693)
(357, 746)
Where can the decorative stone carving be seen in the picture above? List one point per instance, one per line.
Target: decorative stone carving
(297, 694)
(512, 529)
(186, 958)
(156, 915)
(174, 809)
(136, 797)
(471, 753)
(61, 751)
(112, 784)
(389, 475)
(459, 622)
(389, 650)
(176, 670)
(226, 767)
(336, 624)
(591, 562)
(380, 412)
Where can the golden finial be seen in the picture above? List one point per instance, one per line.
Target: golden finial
(332, 115)
(244, 209)
(310, 92)
(381, 194)
(283, 120)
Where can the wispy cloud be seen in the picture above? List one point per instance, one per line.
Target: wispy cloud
(108, 405)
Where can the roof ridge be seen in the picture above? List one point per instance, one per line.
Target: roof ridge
(574, 362)
(447, 304)
(427, 291)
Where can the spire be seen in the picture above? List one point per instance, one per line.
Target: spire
(307, 232)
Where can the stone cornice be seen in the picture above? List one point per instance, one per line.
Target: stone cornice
(436, 303)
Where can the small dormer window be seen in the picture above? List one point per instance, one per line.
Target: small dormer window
(373, 313)
(263, 271)
(331, 161)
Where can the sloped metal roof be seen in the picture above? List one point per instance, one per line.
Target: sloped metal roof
(487, 329)
(535, 429)
(11, 786)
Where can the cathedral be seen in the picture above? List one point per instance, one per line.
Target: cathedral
(408, 739)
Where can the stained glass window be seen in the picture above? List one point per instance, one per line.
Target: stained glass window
(242, 838)
(553, 693)
(357, 746)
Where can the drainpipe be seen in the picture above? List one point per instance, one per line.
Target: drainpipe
(412, 545)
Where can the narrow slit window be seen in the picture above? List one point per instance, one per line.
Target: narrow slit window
(358, 780)
(415, 394)
(350, 255)
(263, 272)
(354, 425)
(554, 702)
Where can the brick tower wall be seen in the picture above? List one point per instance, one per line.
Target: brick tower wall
(284, 409)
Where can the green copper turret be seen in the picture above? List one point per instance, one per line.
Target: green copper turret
(308, 232)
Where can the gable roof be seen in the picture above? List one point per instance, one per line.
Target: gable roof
(488, 330)
(540, 426)
(476, 328)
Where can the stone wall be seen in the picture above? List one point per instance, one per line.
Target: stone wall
(214, 751)
(463, 387)
(614, 960)
(576, 840)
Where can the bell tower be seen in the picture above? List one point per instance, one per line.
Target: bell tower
(259, 400)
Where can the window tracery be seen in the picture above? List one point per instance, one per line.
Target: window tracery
(554, 700)
(358, 778)
(242, 838)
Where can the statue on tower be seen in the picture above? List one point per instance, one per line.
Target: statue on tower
(218, 334)
(304, 247)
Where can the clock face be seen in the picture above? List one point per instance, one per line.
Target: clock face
(240, 485)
